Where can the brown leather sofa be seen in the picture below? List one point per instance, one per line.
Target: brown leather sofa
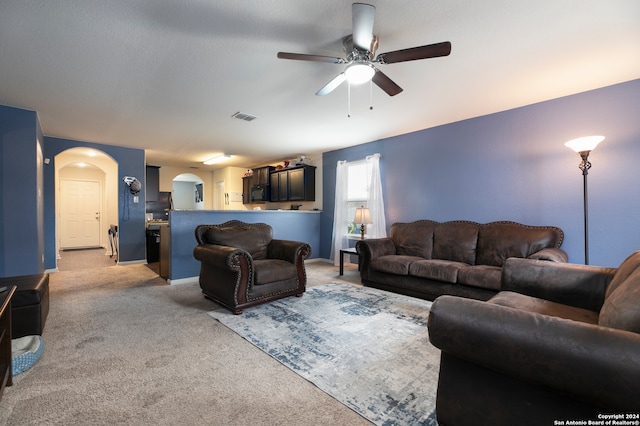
(427, 259)
(241, 265)
(559, 342)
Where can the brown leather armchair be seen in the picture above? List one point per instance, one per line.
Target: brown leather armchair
(241, 265)
(558, 342)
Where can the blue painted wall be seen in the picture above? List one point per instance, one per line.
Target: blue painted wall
(131, 216)
(21, 205)
(513, 165)
(296, 226)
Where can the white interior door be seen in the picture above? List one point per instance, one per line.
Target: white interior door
(219, 199)
(80, 213)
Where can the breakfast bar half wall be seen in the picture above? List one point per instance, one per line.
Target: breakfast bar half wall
(297, 225)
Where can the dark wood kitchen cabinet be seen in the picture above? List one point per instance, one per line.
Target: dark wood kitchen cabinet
(153, 183)
(279, 186)
(246, 189)
(294, 184)
(261, 176)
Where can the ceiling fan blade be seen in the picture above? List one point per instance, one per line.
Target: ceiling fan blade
(314, 58)
(330, 86)
(385, 83)
(414, 53)
(363, 17)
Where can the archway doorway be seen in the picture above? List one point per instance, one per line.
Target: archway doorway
(188, 192)
(86, 200)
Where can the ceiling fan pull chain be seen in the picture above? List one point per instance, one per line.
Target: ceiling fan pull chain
(370, 95)
(348, 99)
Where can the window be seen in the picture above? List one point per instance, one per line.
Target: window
(357, 194)
(358, 183)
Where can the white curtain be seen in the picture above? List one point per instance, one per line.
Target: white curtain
(339, 239)
(378, 229)
(375, 203)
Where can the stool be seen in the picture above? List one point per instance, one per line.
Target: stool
(29, 305)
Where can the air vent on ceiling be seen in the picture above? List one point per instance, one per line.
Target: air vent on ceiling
(242, 116)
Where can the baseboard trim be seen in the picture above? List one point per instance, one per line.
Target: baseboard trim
(189, 280)
(317, 259)
(133, 262)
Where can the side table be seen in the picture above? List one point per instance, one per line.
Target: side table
(349, 251)
(6, 293)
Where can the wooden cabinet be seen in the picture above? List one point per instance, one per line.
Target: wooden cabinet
(246, 189)
(5, 337)
(279, 186)
(261, 175)
(294, 184)
(152, 183)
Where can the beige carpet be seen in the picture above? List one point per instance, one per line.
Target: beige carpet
(73, 260)
(123, 347)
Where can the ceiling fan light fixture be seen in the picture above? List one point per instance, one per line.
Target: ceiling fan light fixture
(359, 73)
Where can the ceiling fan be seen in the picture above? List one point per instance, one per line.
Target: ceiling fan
(360, 48)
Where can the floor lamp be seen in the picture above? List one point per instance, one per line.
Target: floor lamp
(584, 146)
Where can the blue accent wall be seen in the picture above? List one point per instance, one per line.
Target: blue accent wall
(513, 165)
(131, 216)
(21, 209)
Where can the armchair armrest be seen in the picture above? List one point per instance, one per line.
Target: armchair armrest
(552, 254)
(582, 286)
(288, 250)
(595, 364)
(223, 257)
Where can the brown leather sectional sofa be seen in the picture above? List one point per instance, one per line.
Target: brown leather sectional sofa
(560, 342)
(427, 259)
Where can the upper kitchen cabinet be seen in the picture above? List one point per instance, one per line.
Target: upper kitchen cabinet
(261, 176)
(246, 189)
(294, 184)
(153, 183)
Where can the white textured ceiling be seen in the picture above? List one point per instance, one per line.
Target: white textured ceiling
(167, 75)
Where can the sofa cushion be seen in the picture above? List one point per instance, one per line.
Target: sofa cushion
(253, 238)
(523, 302)
(271, 270)
(393, 264)
(621, 308)
(413, 239)
(437, 269)
(456, 241)
(497, 241)
(482, 276)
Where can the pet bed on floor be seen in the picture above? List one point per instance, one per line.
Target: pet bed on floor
(25, 351)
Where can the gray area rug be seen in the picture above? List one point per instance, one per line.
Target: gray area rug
(367, 348)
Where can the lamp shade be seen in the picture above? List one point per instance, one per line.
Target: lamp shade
(586, 143)
(362, 216)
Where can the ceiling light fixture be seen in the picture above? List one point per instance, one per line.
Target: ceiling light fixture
(217, 159)
(359, 73)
